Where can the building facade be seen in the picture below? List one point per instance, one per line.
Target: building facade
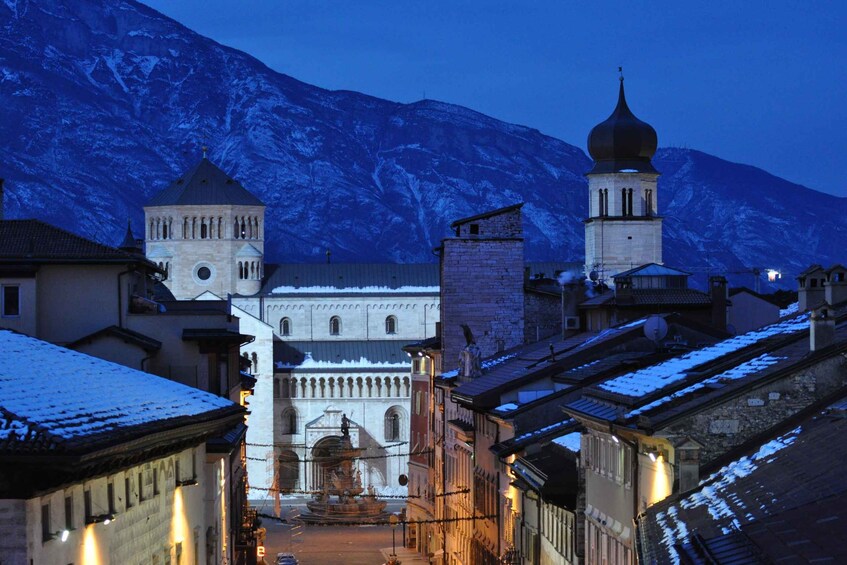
(328, 338)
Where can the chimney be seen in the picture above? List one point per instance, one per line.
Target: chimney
(822, 328)
(688, 462)
(717, 291)
(1, 198)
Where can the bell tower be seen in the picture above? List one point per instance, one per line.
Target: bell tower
(623, 229)
(207, 232)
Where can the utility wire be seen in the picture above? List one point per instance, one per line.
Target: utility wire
(333, 458)
(385, 522)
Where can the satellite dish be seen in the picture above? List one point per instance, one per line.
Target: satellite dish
(655, 328)
(403, 480)
(593, 275)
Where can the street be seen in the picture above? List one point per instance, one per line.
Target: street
(326, 545)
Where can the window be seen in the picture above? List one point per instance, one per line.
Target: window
(69, 513)
(203, 273)
(127, 493)
(86, 501)
(335, 326)
(392, 425)
(204, 230)
(46, 532)
(11, 299)
(474, 229)
(648, 202)
(289, 421)
(391, 325)
(140, 488)
(110, 497)
(285, 326)
(276, 388)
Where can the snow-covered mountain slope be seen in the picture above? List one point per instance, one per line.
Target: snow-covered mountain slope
(103, 103)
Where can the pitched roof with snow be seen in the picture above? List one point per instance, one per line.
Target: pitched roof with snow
(785, 500)
(54, 399)
(337, 355)
(205, 184)
(651, 270)
(349, 278)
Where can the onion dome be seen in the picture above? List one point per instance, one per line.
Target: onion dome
(622, 143)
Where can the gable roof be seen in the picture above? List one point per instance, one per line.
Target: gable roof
(75, 403)
(34, 241)
(651, 270)
(489, 214)
(335, 278)
(784, 499)
(205, 184)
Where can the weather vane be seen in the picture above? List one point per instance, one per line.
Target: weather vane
(620, 70)
(204, 146)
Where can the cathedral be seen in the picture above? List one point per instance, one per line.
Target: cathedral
(328, 337)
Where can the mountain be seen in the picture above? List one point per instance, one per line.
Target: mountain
(103, 103)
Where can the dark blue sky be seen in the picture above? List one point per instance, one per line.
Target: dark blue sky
(761, 83)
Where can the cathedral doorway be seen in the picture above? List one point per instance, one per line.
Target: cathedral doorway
(324, 461)
(289, 471)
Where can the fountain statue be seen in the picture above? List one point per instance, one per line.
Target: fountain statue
(345, 484)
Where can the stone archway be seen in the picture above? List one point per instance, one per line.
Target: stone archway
(324, 461)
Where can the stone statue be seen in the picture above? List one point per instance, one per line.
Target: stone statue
(345, 425)
(469, 357)
(358, 480)
(335, 480)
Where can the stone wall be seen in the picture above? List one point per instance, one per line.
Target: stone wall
(543, 316)
(482, 286)
(725, 426)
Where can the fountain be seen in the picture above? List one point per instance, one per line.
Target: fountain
(348, 505)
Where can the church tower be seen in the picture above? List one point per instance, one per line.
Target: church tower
(623, 229)
(208, 233)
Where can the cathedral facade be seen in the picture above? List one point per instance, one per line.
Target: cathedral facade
(328, 337)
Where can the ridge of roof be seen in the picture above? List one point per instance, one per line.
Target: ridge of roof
(205, 184)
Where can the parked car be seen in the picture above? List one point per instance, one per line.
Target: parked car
(286, 559)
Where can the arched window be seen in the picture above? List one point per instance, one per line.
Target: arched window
(235, 230)
(391, 325)
(648, 202)
(285, 326)
(289, 421)
(335, 326)
(393, 422)
(165, 230)
(204, 229)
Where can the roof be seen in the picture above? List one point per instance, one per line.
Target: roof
(637, 297)
(205, 184)
(537, 436)
(34, 241)
(75, 402)
(785, 499)
(622, 143)
(489, 214)
(652, 270)
(144, 342)
(657, 377)
(332, 355)
(553, 472)
(361, 278)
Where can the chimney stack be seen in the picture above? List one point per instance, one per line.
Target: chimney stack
(822, 328)
(717, 291)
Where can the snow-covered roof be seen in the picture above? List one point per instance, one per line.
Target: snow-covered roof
(356, 290)
(51, 396)
(569, 441)
(656, 377)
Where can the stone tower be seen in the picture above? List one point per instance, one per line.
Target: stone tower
(482, 280)
(623, 229)
(208, 233)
